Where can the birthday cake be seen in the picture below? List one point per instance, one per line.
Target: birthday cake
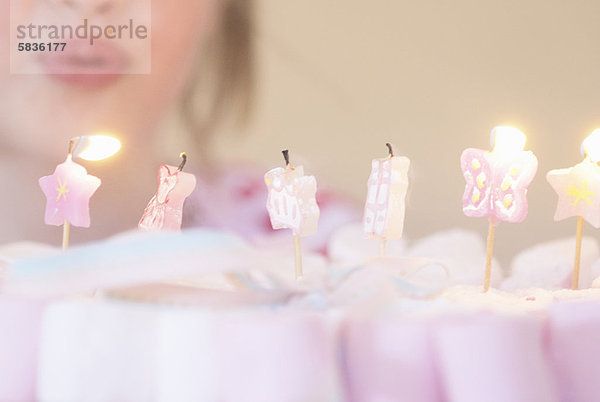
(203, 315)
(367, 329)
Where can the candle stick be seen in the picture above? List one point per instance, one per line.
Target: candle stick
(165, 210)
(496, 183)
(385, 206)
(489, 253)
(292, 205)
(66, 234)
(578, 190)
(69, 189)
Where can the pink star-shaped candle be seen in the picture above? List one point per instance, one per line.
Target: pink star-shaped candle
(68, 192)
(578, 190)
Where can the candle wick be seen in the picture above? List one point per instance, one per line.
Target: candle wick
(72, 143)
(286, 156)
(391, 151)
(183, 156)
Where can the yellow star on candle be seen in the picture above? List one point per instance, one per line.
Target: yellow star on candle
(580, 194)
(62, 190)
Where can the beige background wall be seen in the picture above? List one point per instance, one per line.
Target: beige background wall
(339, 78)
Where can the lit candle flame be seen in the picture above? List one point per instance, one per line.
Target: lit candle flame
(507, 139)
(95, 147)
(590, 147)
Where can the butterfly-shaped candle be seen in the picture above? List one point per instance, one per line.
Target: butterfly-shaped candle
(164, 211)
(69, 189)
(497, 181)
(578, 190)
(385, 206)
(292, 203)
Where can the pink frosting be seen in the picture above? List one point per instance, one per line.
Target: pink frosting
(122, 351)
(575, 350)
(20, 322)
(127, 352)
(489, 357)
(388, 361)
(275, 358)
(479, 357)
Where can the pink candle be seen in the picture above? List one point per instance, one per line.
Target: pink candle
(291, 201)
(164, 211)
(578, 187)
(385, 205)
(68, 191)
(578, 190)
(292, 204)
(497, 180)
(497, 183)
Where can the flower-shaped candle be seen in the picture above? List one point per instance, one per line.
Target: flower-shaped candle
(578, 190)
(69, 189)
(292, 204)
(384, 209)
(164, 211)
(497, 182)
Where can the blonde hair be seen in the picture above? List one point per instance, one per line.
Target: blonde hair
(223, 82)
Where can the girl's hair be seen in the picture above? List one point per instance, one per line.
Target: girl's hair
(223, 82)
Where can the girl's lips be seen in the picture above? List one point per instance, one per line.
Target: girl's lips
(83, 64)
